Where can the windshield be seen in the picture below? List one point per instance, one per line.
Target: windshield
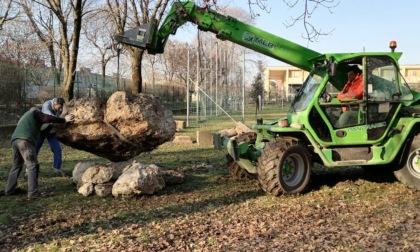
(307, 92)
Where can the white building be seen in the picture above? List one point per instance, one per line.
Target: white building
(284, 81)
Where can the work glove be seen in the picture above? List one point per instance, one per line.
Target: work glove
(47, 130)
(69, 118)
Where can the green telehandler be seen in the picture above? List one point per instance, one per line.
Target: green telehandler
(383, 135)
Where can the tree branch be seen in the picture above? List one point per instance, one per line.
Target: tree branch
(6, 15)
(310, 6)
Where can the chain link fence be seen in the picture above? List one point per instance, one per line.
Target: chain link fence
(23, 87)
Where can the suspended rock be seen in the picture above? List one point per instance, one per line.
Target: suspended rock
(119, 129)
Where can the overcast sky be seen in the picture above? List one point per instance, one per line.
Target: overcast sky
(355, 25)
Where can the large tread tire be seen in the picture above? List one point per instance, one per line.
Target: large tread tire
(239, 173)
(285, 166)
(409, 173)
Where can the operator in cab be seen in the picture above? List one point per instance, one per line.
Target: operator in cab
(353, 89)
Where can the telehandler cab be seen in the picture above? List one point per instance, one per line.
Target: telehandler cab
(384, 134)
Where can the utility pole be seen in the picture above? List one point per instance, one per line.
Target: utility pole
(243, 90)
(217, 73)
(198, 73)
(118, 47)
(188, 87)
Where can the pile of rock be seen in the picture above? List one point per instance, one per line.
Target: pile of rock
(126, 179)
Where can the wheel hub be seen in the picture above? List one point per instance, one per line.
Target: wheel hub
(291, 173)
(414, 166)
(287, 168)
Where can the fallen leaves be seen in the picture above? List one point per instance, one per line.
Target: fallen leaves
(232, 216)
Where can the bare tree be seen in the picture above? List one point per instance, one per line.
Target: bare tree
(150, 66)
(98, 30)
(308, 8)
(261, 4)
(18, 42)
(42, 21)
(20, 48)
(130, 13)
(69, 15)
(171, 60)
(6, 12)
(230, 54)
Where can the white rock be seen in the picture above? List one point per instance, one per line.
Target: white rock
(103, 190)
(78, 171)
(97, 174)
(86, 189)
(139, 179)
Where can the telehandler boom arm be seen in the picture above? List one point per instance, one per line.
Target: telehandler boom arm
(225, 27)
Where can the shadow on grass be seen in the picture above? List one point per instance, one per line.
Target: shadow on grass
(332, 176)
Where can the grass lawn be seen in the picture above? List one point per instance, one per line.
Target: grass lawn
(210, 211)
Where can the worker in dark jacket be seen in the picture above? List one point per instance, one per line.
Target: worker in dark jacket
(23, 140)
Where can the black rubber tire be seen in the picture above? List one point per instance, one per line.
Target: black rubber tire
(409, 173)
(239, 173)
(285, 166)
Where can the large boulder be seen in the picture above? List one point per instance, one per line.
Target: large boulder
(78, 171)
(139, 179)
(97, 174)
(118, 129)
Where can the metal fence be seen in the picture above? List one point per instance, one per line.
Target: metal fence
(22, 87)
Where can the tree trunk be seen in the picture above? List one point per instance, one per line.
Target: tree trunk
(68, 85)
(136, 77)
(103, 79)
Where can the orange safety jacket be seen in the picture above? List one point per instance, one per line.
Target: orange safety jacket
(352, 90)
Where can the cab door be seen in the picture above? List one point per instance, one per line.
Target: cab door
(383, 95)
(353, 111)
